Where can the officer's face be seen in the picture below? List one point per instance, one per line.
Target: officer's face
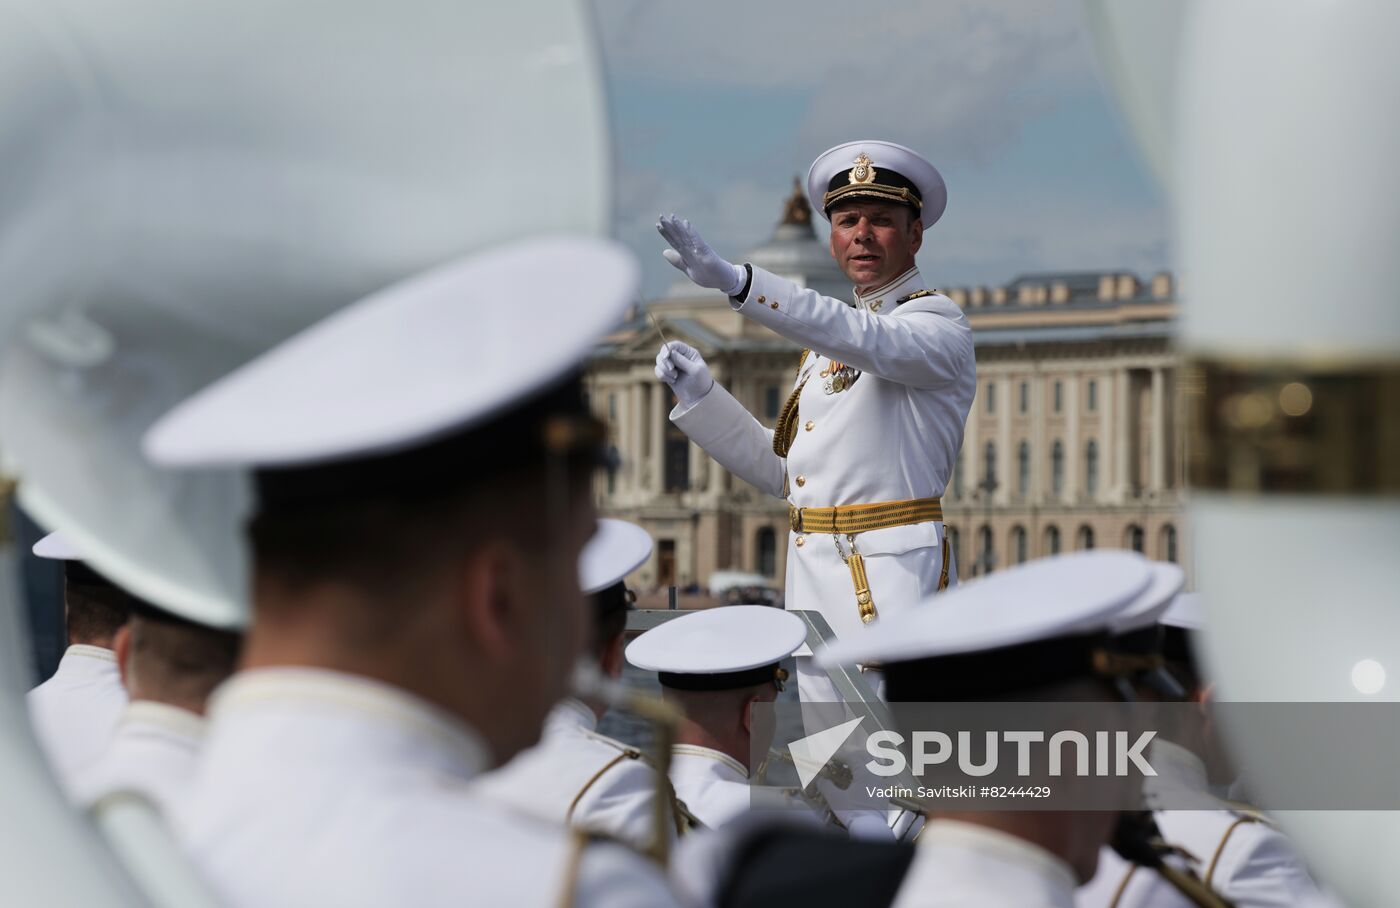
(874, 242)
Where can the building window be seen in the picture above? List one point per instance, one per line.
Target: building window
(958, 477)
(1025, 397)
(1052, 540)
(1057, 469)
(612, 462)
(1168, 546)
(986, 556)
(1023, 468)
(766, 552)
(1093, 396)
(612, 408)
(1059, 396)
(953, 540)
(772, 396)
(991, 397)
(1018, 544)
(1135, 538)
(1091, 467)
(1086, 537)
(665, 562)
(989, 466)
(676, 464)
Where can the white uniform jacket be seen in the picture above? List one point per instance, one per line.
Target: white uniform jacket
(153, 752)
(960, 865)
(1237, 853)
(319, 788)
(577, 777)
(76, 711)
(889, 430)
(714, 785)
(715, 788)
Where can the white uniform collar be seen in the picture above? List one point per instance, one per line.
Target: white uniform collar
(1181, 781)
(572, 712)
(883, 298)
(88, 651)
(1000, 845)
(396, 720)
(168, 718)
(709, 753)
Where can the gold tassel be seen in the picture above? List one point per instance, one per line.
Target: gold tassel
(864, 602)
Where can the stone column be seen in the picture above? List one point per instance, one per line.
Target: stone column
(660, 397)
(1040, 444)
(1158, 452)
(632, 449)
(1005, 456)
(1109, 432)
(971, 447)
(1074, 450)
(1123, 432)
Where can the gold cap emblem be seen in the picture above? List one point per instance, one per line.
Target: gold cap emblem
(863, 172)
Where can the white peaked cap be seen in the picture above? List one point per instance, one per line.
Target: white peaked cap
(1186, 612)
(57, 547)
(719, 641)
(616, 550)
(885, 158)
(1039, 600)
(434, 354)
(1147, 608)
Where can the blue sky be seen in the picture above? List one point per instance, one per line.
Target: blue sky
(718, 105)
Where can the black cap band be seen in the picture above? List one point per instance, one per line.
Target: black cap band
(556, 420)
(989, 674)
(886, 185)
(749, 677)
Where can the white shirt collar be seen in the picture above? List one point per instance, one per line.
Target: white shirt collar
(168, 718)
(999, 845)
(902, 285)
(724, 759)
(395, 720)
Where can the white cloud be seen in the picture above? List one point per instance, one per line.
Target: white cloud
(959, 74)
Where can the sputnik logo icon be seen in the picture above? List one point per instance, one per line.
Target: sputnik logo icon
(810, 754)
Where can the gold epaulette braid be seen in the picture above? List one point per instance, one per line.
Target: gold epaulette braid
(786, 428)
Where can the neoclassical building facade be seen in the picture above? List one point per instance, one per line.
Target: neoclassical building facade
(1073, 440)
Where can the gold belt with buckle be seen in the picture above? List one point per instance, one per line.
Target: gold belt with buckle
(850, 519)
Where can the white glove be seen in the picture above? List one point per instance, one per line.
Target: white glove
(681, 366)
(691, 254)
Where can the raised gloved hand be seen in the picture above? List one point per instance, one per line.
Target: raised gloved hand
(690, 253)
(681, 366)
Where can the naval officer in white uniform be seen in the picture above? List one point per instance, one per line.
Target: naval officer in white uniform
(76, 710)
(716, 665)
(1034, 632)
(869, 437)
(1232, 848)
(416, 610)
(170, 666)
(576, 776)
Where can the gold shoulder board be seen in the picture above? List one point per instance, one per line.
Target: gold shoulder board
(915, 295)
